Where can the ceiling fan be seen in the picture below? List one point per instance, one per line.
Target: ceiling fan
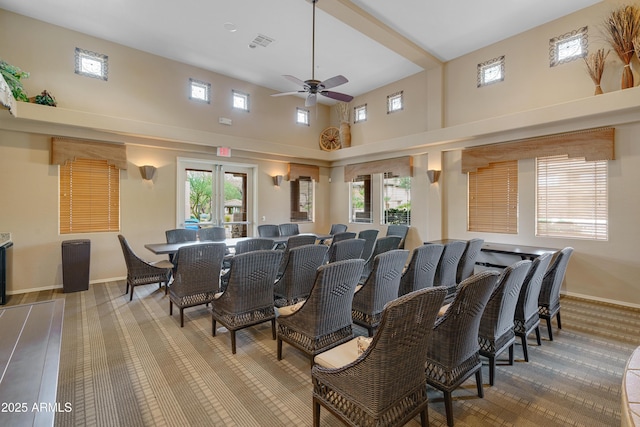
(312, 86)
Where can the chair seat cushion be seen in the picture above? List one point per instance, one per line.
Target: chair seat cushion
(288, 310)
(163, 264)
(443, 309)
(339, 356)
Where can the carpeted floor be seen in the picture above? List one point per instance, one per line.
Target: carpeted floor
(130, 364)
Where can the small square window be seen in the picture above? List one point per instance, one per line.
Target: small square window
(199, 91)
(360, 113)
(568, 47)
(240, 100)
(302, 116)
(491, 71)
(395, 102)
(91, 64)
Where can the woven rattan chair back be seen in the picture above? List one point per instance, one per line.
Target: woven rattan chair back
(345, 249)
(324, 320)
(337, 228)
(381, 245)
(268, 230)
(453, 353)
(295, 242)
(467, 264)
(251, 245)
(197, 277)
(448, 266)
(180, 235)
(526, 318)
(248, 298)
(141, 272)
(496, 332)
(213, 234)
(421, 271)
(380, 288)
(299, 274)
(386, 384)
(398, 230)
(290, 229)
(344, 235)
(369, 237)
(549, 299)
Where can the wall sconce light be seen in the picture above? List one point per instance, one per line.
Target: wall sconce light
(147, 172)
(277, 180)
(433, 175)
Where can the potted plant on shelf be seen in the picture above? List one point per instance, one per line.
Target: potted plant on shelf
(12, 75)
(45, 98)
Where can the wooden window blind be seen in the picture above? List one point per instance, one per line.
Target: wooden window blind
(493, 198)
(89, 196)
(572, 198)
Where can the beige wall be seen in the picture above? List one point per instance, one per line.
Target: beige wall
(158, 127)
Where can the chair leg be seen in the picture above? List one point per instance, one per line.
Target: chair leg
(424, 417)
(448, 407)
(131, 295)
(273, 329)
(549, 329)
(525, 350)
(233, 342)
(213, 327)
(316, 413)
(511, 354)
(492, 369)
(181, 317)
(279, 349)
(479, 383)
(170, 308)
(558, 318)
(126, 291)
(538, 335)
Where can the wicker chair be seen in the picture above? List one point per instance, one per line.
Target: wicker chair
(213, 234)
(369, 237)
(382, 245)
(141, 272)
(448, 267)
(496, 326)
(398, 230)
(268, 230)
(337, 228)
(345, 249)
(549, 299)
(421, 271)
(467, 264)
(375, 389)
(380, 288)
(344, 235)
(295, 242)
(248, 299)
(299, 273)
(255, 244)
(197, 277)
(324, 320)
(453, 353)
(180, 235)
(526, 318)
(290, 229)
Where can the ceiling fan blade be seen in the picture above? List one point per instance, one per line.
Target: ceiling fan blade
(334, 81)
(288, 93)
(337, 95)
(294, 79)
(311, 100)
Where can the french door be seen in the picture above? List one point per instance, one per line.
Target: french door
(216, 194)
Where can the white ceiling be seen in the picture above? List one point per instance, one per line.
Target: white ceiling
(367, 41)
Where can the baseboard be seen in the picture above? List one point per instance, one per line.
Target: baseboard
(598, 299)
(48, 288)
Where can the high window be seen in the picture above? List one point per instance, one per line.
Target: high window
(396, 197)
(89, 196)
(91, 64)
(302, 116)
(302, 198)
(360, 191)
(491, 72)
(360, 113)
(572, 198)
(395, 102)
(493, 198)
(240, 100)
(568, 47)
(199, 91)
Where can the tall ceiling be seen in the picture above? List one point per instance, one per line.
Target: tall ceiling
(370, 42)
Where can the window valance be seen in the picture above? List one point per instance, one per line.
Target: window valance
(592, 144)
(297, 171)
(400, 166)
(66, 149)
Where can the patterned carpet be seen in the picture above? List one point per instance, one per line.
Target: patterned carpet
(130, 364)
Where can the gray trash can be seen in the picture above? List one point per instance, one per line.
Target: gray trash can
(76, 255)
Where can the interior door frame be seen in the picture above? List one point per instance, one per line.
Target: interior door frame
(183, 163)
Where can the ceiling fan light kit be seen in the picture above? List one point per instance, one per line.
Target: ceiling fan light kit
(312, 86)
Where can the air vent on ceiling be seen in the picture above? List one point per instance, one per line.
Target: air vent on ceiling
(262, 40)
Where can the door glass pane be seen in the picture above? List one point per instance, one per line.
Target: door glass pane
(198, 187)
(235, 204)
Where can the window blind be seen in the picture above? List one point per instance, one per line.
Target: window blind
(89, 196)
(572, 198)
(493, 198)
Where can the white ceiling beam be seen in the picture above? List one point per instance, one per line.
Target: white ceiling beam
(367, 24)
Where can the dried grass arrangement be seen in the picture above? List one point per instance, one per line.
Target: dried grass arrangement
(621, 29)
(595, 66)
(343, 111)
(345, 127)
